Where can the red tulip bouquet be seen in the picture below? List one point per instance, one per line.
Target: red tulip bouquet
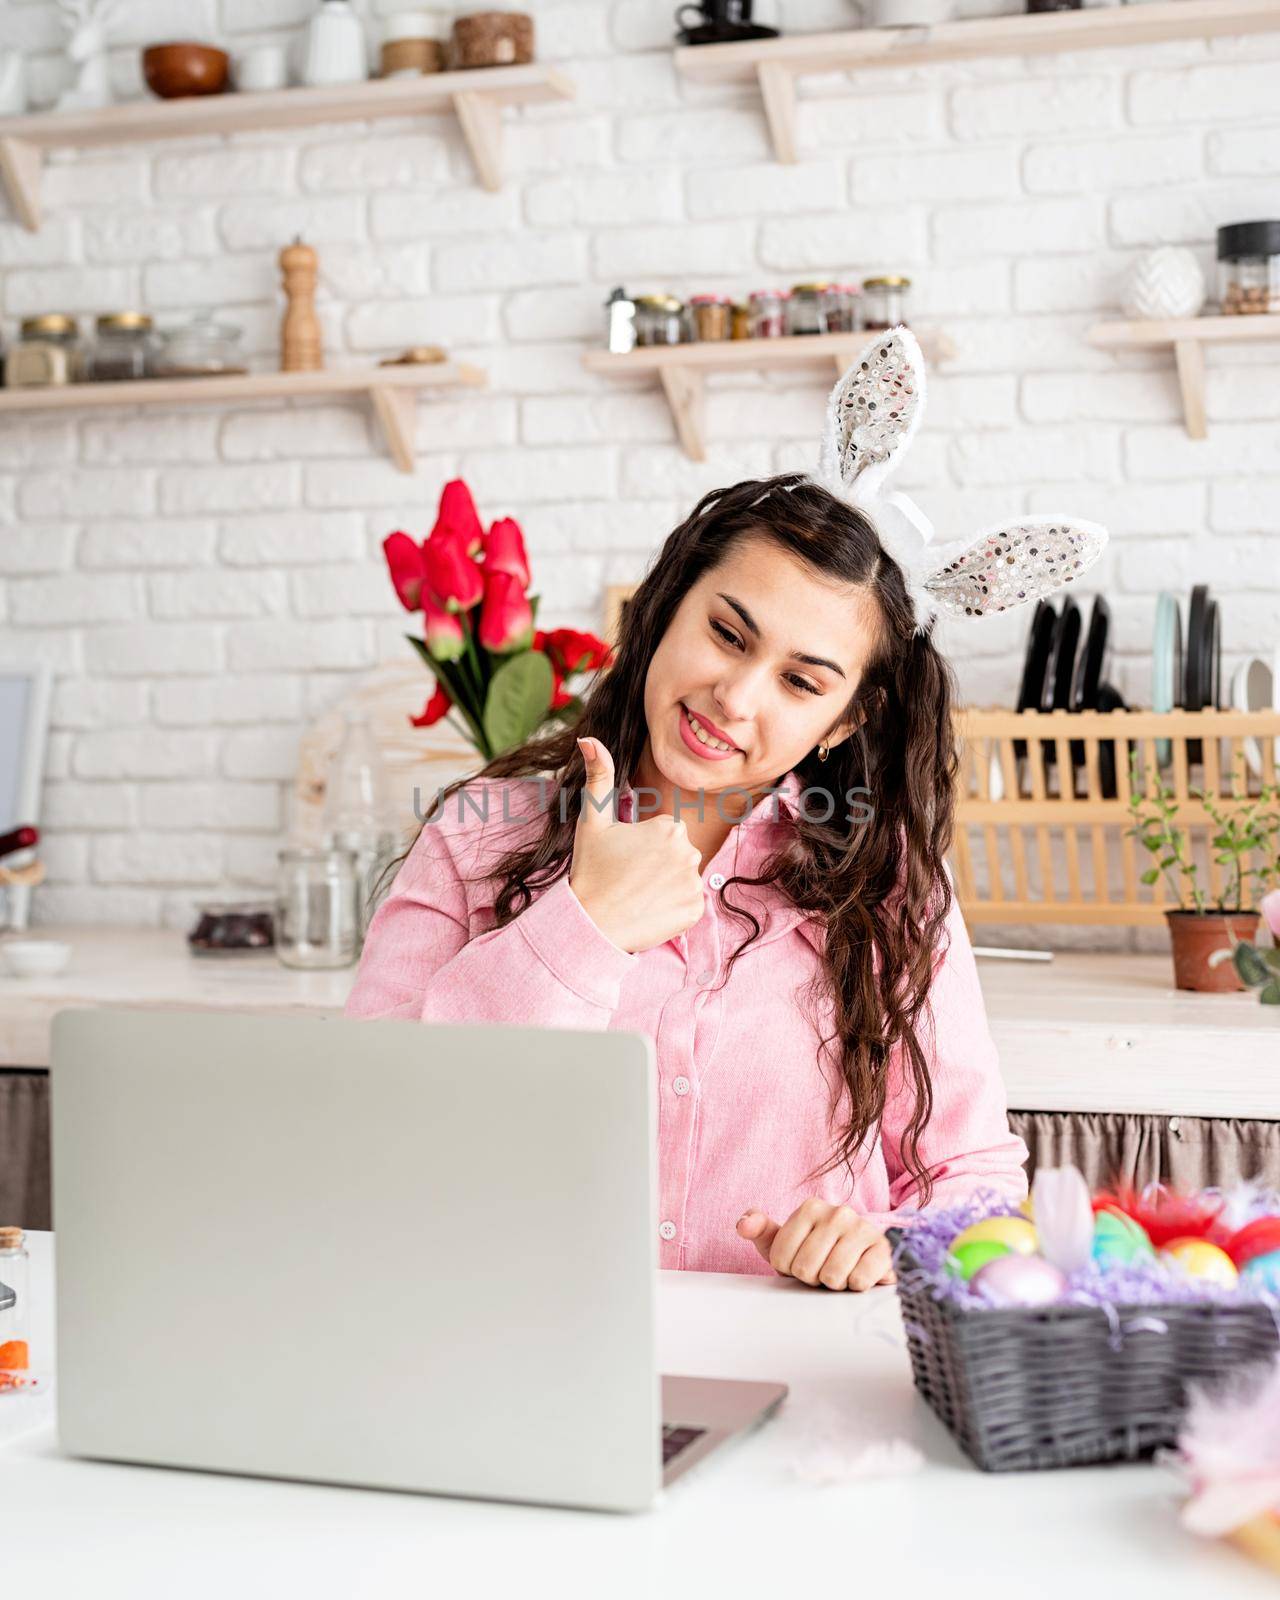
(504, 678)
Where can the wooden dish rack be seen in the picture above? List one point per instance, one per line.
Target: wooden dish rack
(1029, 848)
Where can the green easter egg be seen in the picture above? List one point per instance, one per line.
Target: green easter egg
(966, 1259)
(1118, 1239)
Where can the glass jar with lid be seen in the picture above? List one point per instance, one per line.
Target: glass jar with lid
(806, 311)
(884, 301)
(317, 922)
(841, 307)
(201, 347)
(1249, 268)
(712, 316)
(739, 320)
(123, 348)
(659, 319)
(768, 313)
(48, 352)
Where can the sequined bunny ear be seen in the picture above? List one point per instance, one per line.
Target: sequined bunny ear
(1025, 559)
(872, 416)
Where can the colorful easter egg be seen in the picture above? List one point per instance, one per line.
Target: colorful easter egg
(1118, 1239)
(1017, 1280)
(1257, 1238)
(966, 1259)
(1263, 1271)
(1200, 1259)
(1015, 1232)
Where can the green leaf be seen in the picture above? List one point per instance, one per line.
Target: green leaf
(1151, 876)
(1272, 958)
(1270, 994)
(1252, 969)
(519, 695)
(1169, 861)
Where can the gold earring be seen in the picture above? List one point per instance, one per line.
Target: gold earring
(824, 750)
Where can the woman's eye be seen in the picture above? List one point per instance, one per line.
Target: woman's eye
(791, 677)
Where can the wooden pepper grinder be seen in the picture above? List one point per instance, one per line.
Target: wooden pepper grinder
(300, 332)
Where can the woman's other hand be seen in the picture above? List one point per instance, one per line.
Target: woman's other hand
(823, 1245)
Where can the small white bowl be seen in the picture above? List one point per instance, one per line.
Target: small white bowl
(34, 958)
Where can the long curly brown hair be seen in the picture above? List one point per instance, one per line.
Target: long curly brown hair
(877, 883)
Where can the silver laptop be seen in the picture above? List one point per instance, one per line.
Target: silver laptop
(378, 1253)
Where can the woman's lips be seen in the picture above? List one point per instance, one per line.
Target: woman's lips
(696, 745)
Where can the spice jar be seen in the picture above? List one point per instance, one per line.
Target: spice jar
(841, 308)
(411, 44)
(884, 301)
(122, 349)
(712, 316)
(768, 313)
(1249, 268)
(659, 319)
(805, 312)
(740, 321)
(317, 921)
(48, 353)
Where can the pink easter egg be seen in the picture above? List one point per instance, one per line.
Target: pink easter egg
(1015, 1280)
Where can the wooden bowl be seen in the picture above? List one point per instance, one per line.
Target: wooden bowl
(174, 71)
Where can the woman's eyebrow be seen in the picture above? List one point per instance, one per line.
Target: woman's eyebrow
(753, 625)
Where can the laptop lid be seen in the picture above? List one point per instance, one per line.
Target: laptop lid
(383, 1253)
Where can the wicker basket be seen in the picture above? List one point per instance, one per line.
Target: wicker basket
(1066, 1386)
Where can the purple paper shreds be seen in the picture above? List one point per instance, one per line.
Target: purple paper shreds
(1142, 1283)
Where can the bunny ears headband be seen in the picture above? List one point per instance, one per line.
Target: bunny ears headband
(873, 413)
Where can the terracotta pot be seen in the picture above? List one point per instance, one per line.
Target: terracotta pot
(1196, 935)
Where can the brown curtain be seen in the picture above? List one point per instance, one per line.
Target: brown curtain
(1184, 1152)
(25, 1200)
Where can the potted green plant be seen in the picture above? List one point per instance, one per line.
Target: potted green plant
(1197, 927)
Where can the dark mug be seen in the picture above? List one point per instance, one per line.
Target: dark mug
(716, 14)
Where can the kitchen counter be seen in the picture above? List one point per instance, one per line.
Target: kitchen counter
(1082, 1032)
(854, 1484)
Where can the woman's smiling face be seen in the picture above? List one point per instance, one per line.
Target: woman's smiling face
(734, 656)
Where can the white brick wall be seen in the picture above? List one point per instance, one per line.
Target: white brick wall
(204, 581)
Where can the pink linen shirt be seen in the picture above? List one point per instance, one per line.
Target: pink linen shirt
(743, 1100)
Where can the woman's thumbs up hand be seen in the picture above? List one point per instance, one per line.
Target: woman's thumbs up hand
(640, 882)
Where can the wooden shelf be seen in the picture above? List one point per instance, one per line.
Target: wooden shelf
(1188, 338)
(476, 97)
(776, 64)
(392, 393)
(681, 368)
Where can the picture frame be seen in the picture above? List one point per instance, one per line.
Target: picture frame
(24, 730)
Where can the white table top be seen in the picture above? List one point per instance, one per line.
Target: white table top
(1083, 1032)
(748, 1521)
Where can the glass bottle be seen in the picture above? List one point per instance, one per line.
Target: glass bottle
(317, 918)
(15, 1281)
(356, 810)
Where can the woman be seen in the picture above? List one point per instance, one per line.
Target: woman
(767, 900)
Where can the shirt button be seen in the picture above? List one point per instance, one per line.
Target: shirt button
(667, 1230)
(704, 977)
(716, 880)
(682, 1086)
